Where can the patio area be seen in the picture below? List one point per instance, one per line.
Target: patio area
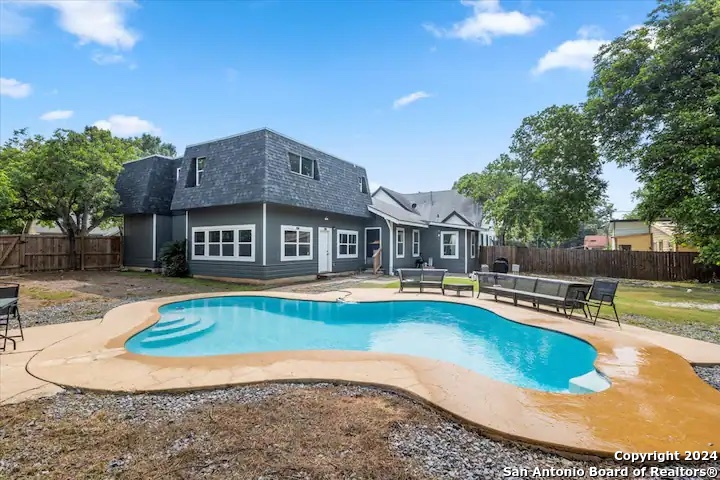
(678, 411)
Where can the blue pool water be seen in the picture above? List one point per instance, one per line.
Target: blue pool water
(468, 336)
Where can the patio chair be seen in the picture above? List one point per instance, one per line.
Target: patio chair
(602, 293)
(9, 294)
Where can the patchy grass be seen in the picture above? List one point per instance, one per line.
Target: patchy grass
(309, 433)
(199, 283)
(46, 295)
(638, 301)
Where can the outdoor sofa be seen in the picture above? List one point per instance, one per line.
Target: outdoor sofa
(538, 291)
(422, 278)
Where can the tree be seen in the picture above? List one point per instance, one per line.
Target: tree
(548, 183)
(151, 145)
(68, 179)
(655, 99)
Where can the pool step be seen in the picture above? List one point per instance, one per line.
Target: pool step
(591, 382)
(195, 329)
(169, 320)
(171, 327)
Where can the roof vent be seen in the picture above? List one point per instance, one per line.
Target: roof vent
(414, 205)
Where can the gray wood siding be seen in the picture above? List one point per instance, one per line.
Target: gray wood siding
(137, 241)
(178, 226)
(278, 215)
(245, 214)
(430, 247)
(164, 224)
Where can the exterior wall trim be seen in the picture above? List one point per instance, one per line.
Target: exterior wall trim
(234, 258)
(154, 238)
(298, 228)
(457, 245)
(264, 234)
(357, 243)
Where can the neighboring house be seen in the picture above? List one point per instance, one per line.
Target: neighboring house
(595, 242)
(261, 206)
(637, 235)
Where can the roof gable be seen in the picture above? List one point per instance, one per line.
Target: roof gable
(456, 219)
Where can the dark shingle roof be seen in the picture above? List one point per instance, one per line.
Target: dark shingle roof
(254, 167)
(438, 206)
(146, 185)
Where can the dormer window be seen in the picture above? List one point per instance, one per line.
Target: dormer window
(177, 174)
(302, 165)
(199, 169)
(363, 185)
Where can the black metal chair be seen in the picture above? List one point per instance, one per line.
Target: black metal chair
(9, 294)
(601, 294)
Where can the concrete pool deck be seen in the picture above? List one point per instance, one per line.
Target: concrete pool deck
(656, 402)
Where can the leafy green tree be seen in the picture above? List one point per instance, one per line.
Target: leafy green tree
(68, 178)
(655, 99)
(147, 145)
(548, 183)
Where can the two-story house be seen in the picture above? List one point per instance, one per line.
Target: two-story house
(260, 206)
(638, 235)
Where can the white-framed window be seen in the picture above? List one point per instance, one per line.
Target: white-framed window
(347, 244)
(301, 165)
(400, 243)
(449, 245)
(225, 242)
(297, 243)
(199, 169)
(472, 244)
(363, 185)
(177, 174)
(416, 243)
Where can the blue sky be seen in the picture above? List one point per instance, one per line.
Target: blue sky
(418, 92)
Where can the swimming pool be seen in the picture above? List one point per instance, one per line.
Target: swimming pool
(469, 336)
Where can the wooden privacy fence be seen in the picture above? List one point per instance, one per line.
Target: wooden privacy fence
(42, 253)
(659, 266)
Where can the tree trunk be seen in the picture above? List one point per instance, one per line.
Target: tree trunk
(72, 263)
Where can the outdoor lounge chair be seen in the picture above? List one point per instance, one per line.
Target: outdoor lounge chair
(9, 293)
(422, 277)
(601, 293)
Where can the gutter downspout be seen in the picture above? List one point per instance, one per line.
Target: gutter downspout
(391, 251)
(466, 249)
(154, 239)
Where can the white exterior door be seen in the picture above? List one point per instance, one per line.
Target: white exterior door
(324, 250)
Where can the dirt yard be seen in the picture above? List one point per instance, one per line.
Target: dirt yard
(58, 297)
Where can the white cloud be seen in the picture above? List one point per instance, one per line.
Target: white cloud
(94, 21)
(56, 115)
(573, 54)
(126, 126)
(488, 21)
(408, 99)
(12, 23)
(14, 88)
(107, 58)
(104, 58)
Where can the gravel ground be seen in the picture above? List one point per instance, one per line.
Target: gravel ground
(698, 331)
(451, 451)
(76, 311)
(443, 450)
(710, 374)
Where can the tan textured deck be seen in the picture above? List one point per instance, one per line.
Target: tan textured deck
(656, 401)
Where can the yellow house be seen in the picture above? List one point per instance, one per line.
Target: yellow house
(636, 235)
